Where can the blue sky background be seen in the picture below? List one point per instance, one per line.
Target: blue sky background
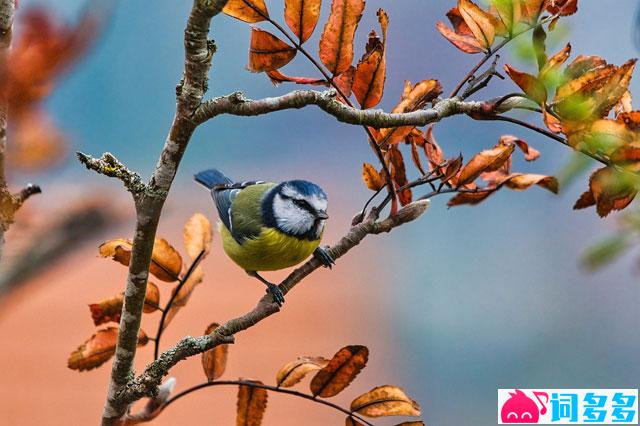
(486, 297)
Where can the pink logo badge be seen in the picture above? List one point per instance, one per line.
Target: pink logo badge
(519, 408)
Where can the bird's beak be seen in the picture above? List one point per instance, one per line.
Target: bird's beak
(322, 215)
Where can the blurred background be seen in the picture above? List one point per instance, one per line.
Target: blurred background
(452, 307)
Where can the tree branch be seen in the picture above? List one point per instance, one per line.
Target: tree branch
(146, 384)
(109, 165)
(189, 93)
(237, 104)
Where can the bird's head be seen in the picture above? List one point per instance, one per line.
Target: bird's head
(297, 208)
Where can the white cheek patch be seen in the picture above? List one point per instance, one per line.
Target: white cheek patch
(318, 203)
(291, 218)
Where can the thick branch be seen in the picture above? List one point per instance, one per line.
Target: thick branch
(109, 165)
(198, 55)
(237, 104)
(147, 383)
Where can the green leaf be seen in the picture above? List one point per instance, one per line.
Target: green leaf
(605, 252)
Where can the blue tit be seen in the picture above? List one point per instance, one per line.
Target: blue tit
(266, 226)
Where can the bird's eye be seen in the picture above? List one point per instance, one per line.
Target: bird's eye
(300, 203)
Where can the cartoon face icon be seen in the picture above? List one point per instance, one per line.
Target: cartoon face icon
(519, 408)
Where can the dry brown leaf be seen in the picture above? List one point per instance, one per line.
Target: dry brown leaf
(465, 43)
(109, 310)
(471, 198)
(399, 174)
(370, 75)
(214, 361)
(184, 294)
(416, 423)
(529, 84)
(485, 161)
(482, 24)
(562, 7)
(372, 177)
(166, 262)
(98, 349)
(520, 182)
(340, 371)
(294, 371)
(252, 403)
(385, 400)
(530, 153)
(302, 17)
(611, 190)
(336, 43)
(267, 52)
(531, 10)
(277, 78)
(247, 10)
(197, 235)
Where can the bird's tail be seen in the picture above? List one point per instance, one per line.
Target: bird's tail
(211, 178)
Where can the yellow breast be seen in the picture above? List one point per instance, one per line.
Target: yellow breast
(270, 251)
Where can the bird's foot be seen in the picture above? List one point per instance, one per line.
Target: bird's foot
(275, 291)
(322, 254)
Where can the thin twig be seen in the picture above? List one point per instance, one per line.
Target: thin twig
(165, 310)
(266, 387)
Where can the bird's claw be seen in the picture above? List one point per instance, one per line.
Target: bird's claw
(322, 254)
(275, 291)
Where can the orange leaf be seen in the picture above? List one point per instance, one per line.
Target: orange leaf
(625, 104)
(432, 150)
(109, 310)
(585, 200)
(98, 349)
(485, 161)
(371, 177)
(583, 64)
(482, 24)
(530, 154)
(340, 371)
(562, 7)
(466, 43)
(368, 82)
(611, 190)
(399, 174)
(551, 121)
(293, 372)
(554, 62)
(471, 198)
(336, 43)
(302, 17)
(197, 235)
(214, 361)
(247, 10)
(252, 403)
(36, 141)
(451, 170)
(268, 52)
(520, 182)
(166, 262)
(344, 82)
(415, 156)
(530, 84)
(277, 77)
(531, 10)
(385, 400)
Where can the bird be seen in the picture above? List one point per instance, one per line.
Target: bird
(266, 226)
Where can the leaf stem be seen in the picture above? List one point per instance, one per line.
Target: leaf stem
(267, 387)
(165, 310)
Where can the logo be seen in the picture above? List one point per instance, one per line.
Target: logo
(568, 406)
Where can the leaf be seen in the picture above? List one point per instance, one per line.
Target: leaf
(399, 174)
(166, 262)
(606, 251)
(530, 154)
(531, 9)
(471, 198)
(385, 400)
(184, 294)
(370, 75)
(277, 77)
(340, 371)
(293, 372)
(344, 82)
(509, 12)
(485, 161)
(530, 84)
(611, 190)
(482, 24)
(267, 52)
(416, 423)
(197, 235)
(432, 150)
(98, 349)
(252, 403)
(562, 7)
(553, 64)
(214, 361)
(371, 177)
(109, 310)
(336, 42)
(247, 10)
(466, 43)
(520, 182)
(302, 17)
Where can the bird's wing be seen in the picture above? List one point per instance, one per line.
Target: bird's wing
(239, 207)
